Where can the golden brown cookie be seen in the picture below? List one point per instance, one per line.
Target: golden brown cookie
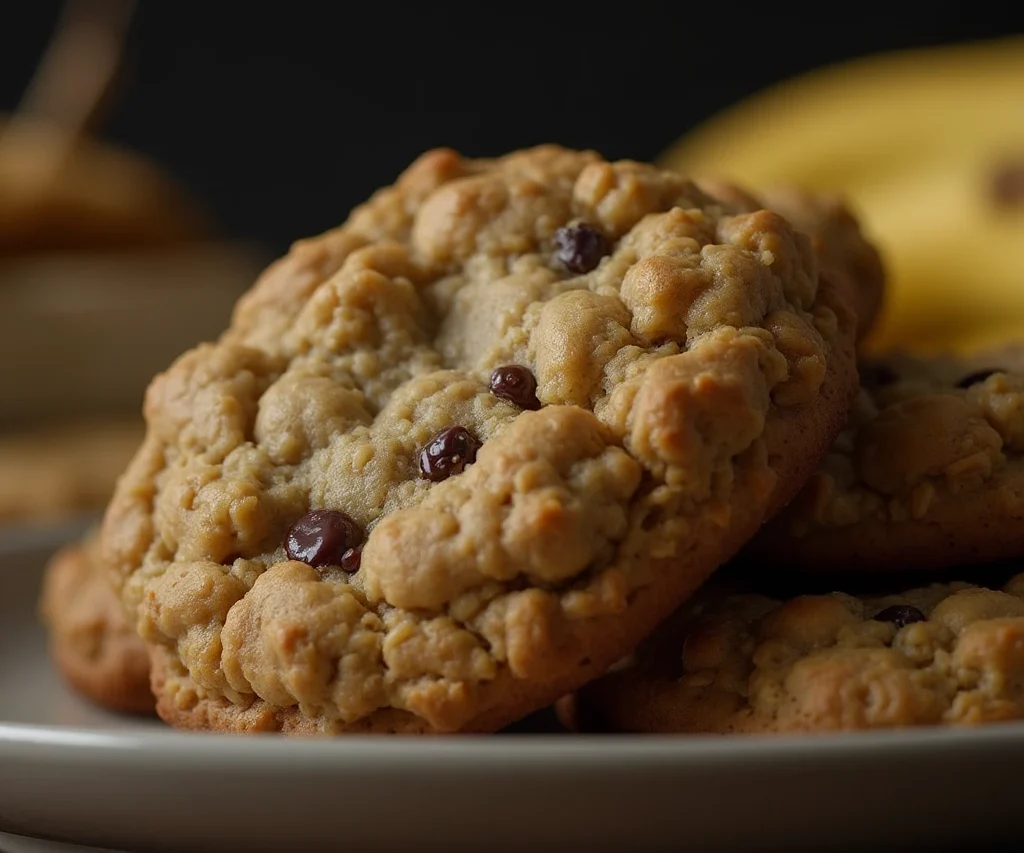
(47, 473)
(942, 654)
(928, 474)
(457, 456)
(92, 645)
(836, 235)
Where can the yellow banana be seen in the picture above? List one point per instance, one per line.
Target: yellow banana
(913, 140)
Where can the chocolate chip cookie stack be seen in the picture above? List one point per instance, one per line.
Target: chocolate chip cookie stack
(925, 480)
(464, 454)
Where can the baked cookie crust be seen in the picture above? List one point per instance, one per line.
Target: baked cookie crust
(928, 474)
(839, 242)
(94, 648)
(743, 663)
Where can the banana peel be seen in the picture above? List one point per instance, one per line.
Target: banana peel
(914, 141)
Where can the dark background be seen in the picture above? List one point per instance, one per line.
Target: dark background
(282, 116)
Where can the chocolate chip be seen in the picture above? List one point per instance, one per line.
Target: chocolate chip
(900, 615)
(1006, 187)
(580, 247)
(447, 453)
(976, 377)
(876, 374)
(322, 538)
(351, 559)
(515, 383)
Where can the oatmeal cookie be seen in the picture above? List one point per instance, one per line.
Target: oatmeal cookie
(739, 662)
(95, 649)
(457, 456)
(928, 474)
(836, 235)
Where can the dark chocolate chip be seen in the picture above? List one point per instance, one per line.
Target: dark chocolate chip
(351, 559)
(579, 248)
(515, 383)
(1006, 188)
(448, 453)
(976, 377)
(900, 615)
(322, 538)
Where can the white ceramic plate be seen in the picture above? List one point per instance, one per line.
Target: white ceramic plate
(72, 773)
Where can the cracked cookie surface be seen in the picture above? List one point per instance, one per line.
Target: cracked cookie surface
(836, 235)
(92, 644)
(928, 474)
(942, 654)
(349, 514)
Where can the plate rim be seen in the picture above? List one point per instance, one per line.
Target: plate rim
(536, 751)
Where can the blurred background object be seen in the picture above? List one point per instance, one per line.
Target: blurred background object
(156, 155)
(281, 117)
(60, 189)
(929, 147)
(54, 471)
(108, 270)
